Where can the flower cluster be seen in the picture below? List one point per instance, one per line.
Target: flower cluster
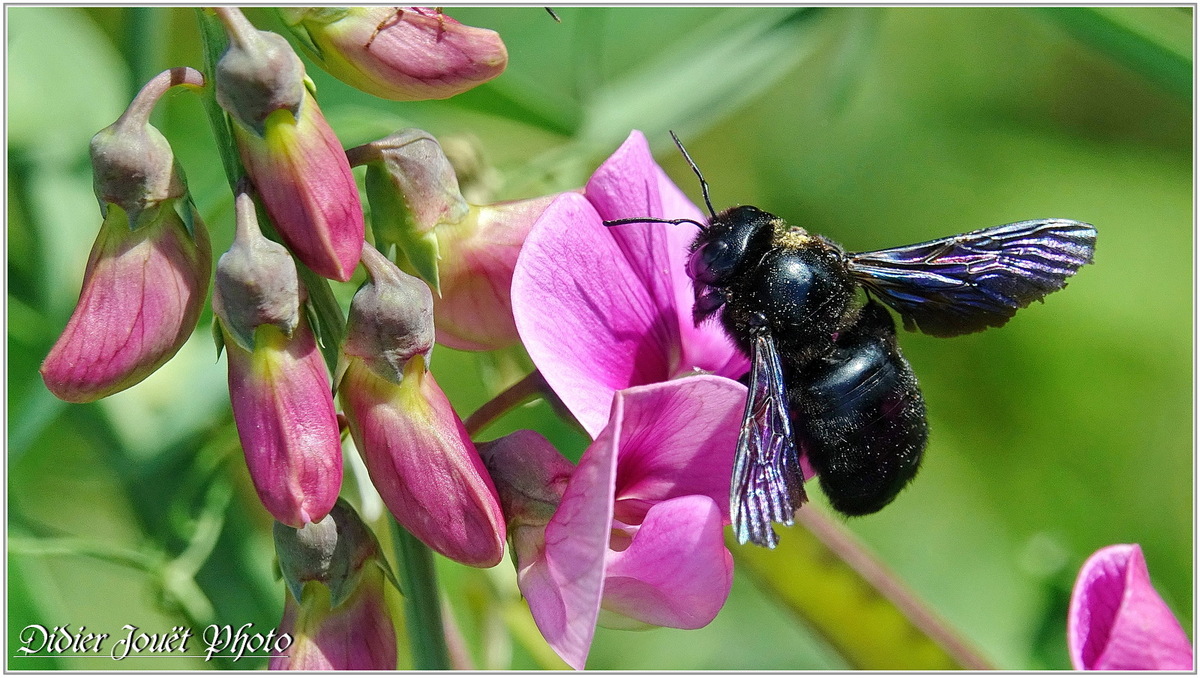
(631, 536)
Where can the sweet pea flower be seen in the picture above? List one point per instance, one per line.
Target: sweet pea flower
(414, 445)
(602, 309)
(335, 610)
(633, 536)
(466, 252)
(278, 384)
(398, 53)
(1118, 622)
(148, 271)
(290, 153)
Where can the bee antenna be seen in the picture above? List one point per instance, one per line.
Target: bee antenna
(703, 183)
(652, 220)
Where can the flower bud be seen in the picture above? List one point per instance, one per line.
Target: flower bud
(530, 477)
(467, 253)
(412, 189)
(147, 274)
(415, 447)
(474, 311)
(335, 609)
(291, 154)
(278, 385)
(286, 422)
(403, 54)
(423, 463)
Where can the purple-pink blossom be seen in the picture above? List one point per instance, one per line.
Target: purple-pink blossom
(637, 528)
(1118, 622)
(602, 309)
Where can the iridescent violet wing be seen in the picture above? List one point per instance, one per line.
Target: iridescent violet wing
(969, 282)
(767, 484)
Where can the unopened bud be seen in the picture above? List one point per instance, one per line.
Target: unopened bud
(399, 53)
(258, 74)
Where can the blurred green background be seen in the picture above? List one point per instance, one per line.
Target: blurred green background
(1067, 430)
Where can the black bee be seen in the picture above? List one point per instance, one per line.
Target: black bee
(827, 376)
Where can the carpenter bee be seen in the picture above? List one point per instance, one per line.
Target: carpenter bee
(827, 378)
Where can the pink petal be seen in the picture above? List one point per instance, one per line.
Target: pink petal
(1117, 621)
(678, 438)
(142, 295)
(423, 463)
(564, 587)
(586, 319)
(677, 571)
(287, 425)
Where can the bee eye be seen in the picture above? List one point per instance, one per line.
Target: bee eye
(709, 263)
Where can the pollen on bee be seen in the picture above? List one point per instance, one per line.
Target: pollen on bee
(788, 235)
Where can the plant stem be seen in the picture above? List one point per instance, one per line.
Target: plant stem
(532, 386)
(418, 580)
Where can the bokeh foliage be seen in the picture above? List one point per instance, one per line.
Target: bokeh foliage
(1067, 430)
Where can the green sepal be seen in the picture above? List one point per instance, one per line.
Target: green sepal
(218, 336)
(392, 223)
(324, 314)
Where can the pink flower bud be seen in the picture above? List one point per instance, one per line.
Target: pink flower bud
(293, 157)
(423, 463)
(278, 385)
(415, 447)
(467, 253)
(335, 609)
(403, 54)
(148, 271)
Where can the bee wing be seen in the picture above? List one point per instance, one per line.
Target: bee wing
(969, 282)
(767, 484)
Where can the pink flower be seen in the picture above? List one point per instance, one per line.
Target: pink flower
(414, 445)
(399, 53)
(278, 386)
(291, 154)
(603, 309)
(1118, 622)
(148, 271)
(334, 609)
(636, 530)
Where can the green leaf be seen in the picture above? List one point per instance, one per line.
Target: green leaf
(821, 574)
(1155, 41)
(725, 63)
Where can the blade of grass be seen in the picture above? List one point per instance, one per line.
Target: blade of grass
(1154, 41)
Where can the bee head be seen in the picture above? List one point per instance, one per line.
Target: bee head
(731, 238)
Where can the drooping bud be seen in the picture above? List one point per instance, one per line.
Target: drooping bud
(416, 449)
(291, 154)
(467, 253)
(399, 53)
(147, 275)
(530, 477)
(335, 609)
(278, 384)
(412, 189)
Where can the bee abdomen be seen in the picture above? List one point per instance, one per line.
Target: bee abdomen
(861, 417)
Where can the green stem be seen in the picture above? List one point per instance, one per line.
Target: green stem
(418, 580)
(212, 35)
